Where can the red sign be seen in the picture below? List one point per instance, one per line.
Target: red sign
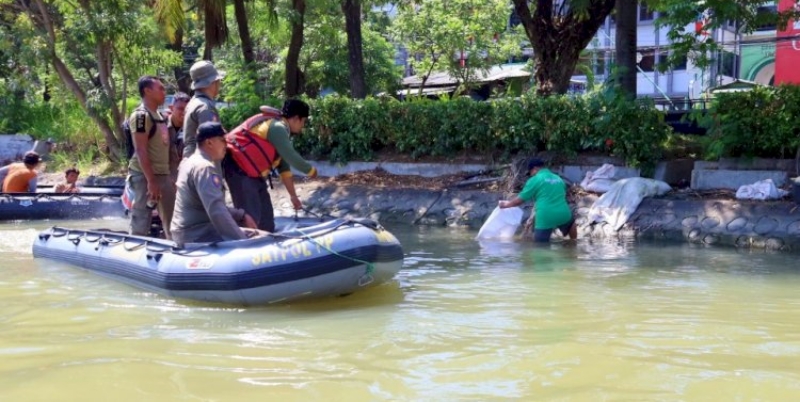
(787, 48)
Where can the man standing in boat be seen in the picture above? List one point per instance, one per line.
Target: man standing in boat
(549, 192)
(148, 170)
(200, 211)
(206, 82)
(177, 114)
(246, 183)
(21, 177)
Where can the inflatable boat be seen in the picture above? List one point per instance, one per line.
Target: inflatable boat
(86, 190)
(337, 257)
(26, 206)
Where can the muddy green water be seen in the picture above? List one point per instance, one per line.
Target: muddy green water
(462, 321)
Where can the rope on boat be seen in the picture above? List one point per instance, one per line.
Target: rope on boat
(365, 279)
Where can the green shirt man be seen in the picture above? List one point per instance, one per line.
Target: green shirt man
(549, 192)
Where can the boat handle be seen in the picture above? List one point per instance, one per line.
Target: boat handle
(154, 256)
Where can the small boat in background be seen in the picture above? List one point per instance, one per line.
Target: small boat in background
(332, 258)
(37, 206)
(85, 190)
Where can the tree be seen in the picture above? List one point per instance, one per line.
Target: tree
(558, 32)
(294, 78)
(83, 41)
(352, 17)
(461, 37)
(244, 32)
(625, 46)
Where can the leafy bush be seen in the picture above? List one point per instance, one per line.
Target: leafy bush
(343, 129)
(757, 123)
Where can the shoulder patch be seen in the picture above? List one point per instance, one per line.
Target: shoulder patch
(140, 122)
(216, 180)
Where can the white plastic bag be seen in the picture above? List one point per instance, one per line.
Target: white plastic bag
(600, 180)
(760, 190)
(501, 224)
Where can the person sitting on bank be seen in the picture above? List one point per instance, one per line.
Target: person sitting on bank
(200, 212)
(250, 193)
(549, 192)
(21, 177)
(70, 183)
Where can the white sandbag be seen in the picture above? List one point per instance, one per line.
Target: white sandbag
(501, 224)
(600, 180)
(621, 201)
(760, 190)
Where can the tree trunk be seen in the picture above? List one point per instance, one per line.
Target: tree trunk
(352, 18)
(244, 32)
(625, 43)
(293, 75)
(182, 79)
(557, 39)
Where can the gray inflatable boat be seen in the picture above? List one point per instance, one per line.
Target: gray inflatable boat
(332, 258)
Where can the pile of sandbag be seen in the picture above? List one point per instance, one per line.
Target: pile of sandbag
(622, 199)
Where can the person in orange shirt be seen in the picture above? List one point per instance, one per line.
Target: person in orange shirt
(21, 177)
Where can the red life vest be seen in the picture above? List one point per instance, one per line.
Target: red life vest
(254, 154)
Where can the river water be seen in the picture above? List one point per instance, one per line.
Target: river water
(463, 321)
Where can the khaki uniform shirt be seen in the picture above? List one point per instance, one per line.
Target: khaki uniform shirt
(199, 110)
(141, 122)
(200, 212)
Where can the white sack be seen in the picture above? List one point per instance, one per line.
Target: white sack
(600, 180)
(760, 190)
(501, 224)
(622, 199)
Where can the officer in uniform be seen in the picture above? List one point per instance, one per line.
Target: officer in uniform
(148, 169)
(200, 211)
(175, 125)
(202, 108)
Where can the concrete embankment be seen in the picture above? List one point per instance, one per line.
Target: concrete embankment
(769, 225)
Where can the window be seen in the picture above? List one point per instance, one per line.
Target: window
(645, 14)
(648, 63)
(728, 63)
(766, 15)
(680, 64)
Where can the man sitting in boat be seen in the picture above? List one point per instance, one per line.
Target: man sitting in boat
(21, 177)
(70, 183)
(200, 211)
(244, 169)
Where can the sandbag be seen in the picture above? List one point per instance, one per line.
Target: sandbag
(760, 190)
(601, 180)
(621, 201)
(501, 224)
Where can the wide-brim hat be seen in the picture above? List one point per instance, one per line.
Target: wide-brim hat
(204, 74)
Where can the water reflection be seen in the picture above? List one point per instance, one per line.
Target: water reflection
(464, 320)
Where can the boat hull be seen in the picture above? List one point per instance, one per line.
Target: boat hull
(58, 206)
(333, 258)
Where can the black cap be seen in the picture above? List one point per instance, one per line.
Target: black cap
(31, 158)
(294, 107)
(209, 129)
(534, 163)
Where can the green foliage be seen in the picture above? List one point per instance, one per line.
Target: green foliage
(435, 31)
(342, 129)
(679, 17)
(761, 122)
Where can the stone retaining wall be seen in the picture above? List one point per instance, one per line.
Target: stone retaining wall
(769, 225)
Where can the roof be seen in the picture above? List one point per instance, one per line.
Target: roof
(736, 86)
(494, 73)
